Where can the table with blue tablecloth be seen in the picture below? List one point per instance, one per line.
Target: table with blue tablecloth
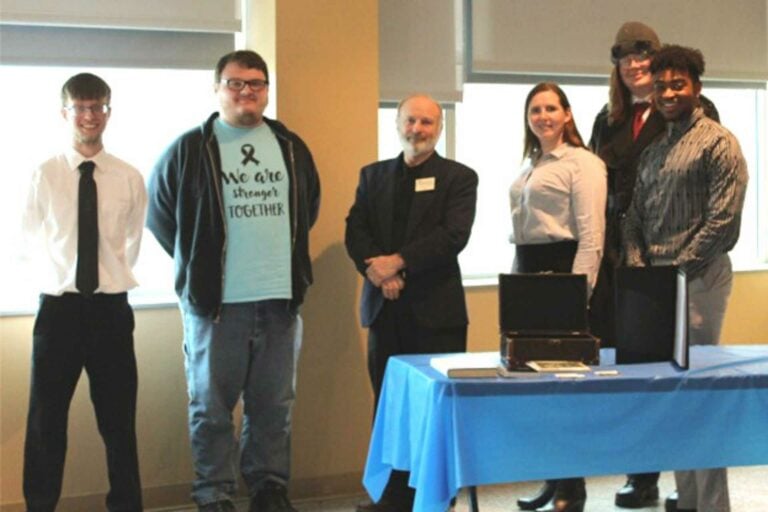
(454, 433)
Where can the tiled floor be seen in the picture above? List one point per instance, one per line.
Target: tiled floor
(748, 489)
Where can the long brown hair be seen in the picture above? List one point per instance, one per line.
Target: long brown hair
(619, 98)
(571, 135)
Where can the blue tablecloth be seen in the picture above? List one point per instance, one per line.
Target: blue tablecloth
(452, 433)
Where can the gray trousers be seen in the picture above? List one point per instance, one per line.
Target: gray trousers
(706, 490)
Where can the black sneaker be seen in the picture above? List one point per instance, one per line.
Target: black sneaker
(272, 497)
(217, 506)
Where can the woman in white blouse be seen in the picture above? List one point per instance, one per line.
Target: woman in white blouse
(558, 225)
(558, 201)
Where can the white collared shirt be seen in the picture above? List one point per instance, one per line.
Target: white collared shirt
(50, 221)
(649, 101)
(562, 197)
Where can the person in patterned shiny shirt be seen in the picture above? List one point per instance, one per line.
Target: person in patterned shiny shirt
(686, 211)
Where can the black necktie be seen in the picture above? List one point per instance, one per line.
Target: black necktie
(87, 277)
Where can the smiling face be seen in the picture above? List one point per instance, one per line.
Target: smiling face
(87, 120)
(675, 93)
(635, 72)
(547, 119)
(419, 123)
(243, 108)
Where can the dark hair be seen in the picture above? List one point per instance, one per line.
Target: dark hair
(532, 146)
(85, 86)
(679, 58)
(245, 58)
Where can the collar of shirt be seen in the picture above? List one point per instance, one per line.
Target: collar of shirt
(560, 150)
(417, 168)
(74, 159)
(680, 126)
(555, 154)
(648, 102)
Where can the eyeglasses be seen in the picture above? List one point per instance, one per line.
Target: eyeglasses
(640, 49)
(94, 109)
(235, 84)
(627, 60)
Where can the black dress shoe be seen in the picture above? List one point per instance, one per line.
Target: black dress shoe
(272, 497)
(636, 495)
(670, 504)
(539, 499)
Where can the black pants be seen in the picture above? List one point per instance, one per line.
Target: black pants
(645, 479)
(554, 257)
(396, 332)
(602, 304)
(72, 332)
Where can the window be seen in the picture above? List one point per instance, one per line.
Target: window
(488, 127)
(151, 107)
(744, 113)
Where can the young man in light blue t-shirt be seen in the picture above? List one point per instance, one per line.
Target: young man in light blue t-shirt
(233, 201)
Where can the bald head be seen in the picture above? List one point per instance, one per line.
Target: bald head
(419, 124)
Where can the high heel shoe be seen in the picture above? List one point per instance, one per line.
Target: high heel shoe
(564, 505)
(570, 496)
(539, 499)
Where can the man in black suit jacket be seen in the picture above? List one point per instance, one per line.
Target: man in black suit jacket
(411, 218)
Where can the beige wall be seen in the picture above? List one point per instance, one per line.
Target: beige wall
(327, 56)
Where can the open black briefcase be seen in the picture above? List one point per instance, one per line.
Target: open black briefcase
(543, 317)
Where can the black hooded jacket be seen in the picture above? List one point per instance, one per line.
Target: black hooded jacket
(186, 213)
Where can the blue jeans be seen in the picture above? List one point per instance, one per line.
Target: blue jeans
(251, 352)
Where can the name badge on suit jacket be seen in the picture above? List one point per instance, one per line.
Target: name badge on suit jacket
(425, 184)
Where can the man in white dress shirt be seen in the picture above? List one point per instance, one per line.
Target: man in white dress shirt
(84, 319)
